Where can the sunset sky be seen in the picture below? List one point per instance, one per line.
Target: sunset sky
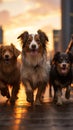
(17, 16)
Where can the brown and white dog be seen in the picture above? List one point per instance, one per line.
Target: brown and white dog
(35, 69)
(9, 71)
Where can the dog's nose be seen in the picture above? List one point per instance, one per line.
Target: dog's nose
(6, 56)
(64, 65)
(33, 46)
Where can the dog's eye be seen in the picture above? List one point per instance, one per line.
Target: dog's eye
(4, 50)
(10, 50)
(67, 59)
(38, 40)
(60, 60)
(29, 40)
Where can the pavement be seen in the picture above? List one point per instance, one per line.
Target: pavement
(48, 116)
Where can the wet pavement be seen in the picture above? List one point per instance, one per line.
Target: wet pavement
(48, 116)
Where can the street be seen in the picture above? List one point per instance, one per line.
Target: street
(48, 116)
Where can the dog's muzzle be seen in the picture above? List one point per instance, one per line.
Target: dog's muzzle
(6, 59)
(34, 49)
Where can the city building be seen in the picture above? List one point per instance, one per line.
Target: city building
(57, 40)
(1, 35)
(67, 22)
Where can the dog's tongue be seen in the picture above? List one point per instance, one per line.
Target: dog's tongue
(33, 52)
(64, 71)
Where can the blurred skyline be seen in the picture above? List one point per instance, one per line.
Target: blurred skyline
(17, 16)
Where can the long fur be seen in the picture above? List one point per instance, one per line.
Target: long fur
(35, 68)
(9, 71)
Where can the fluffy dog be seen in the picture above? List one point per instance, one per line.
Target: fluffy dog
(9, 71)
(35, 69)
(61, 75)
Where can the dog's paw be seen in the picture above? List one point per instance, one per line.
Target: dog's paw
(37, 102)
(8, 95)
(42, 99)
(29, 97)
(5, 92)
(59, 101)
(13, 99)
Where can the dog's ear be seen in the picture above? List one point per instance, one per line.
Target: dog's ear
(55, 58)
(16, 51)
(42, 35)
(23, 37)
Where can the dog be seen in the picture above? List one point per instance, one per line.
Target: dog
(9, 71)
(35, 68)
(60, 75)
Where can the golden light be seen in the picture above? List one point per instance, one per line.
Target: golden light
(18, 110)
(10, 36)
(48, 23)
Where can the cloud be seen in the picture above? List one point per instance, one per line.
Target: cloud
(45, 6)
(6, 0)
(51, 3)
(38, 10)
(35, 17)
(4, 17)
(47, 2)
(1, 1)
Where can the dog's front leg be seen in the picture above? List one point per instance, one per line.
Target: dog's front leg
(38, 96)
(40, 93)
(29, 92)
(67, 94)
(15, 90)
(4, 90)
(59, 99)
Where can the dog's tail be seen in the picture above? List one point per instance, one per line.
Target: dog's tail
(70, 45)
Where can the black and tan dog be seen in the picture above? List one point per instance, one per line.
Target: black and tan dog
(35, 68)
(61, 75)
(9, 71)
